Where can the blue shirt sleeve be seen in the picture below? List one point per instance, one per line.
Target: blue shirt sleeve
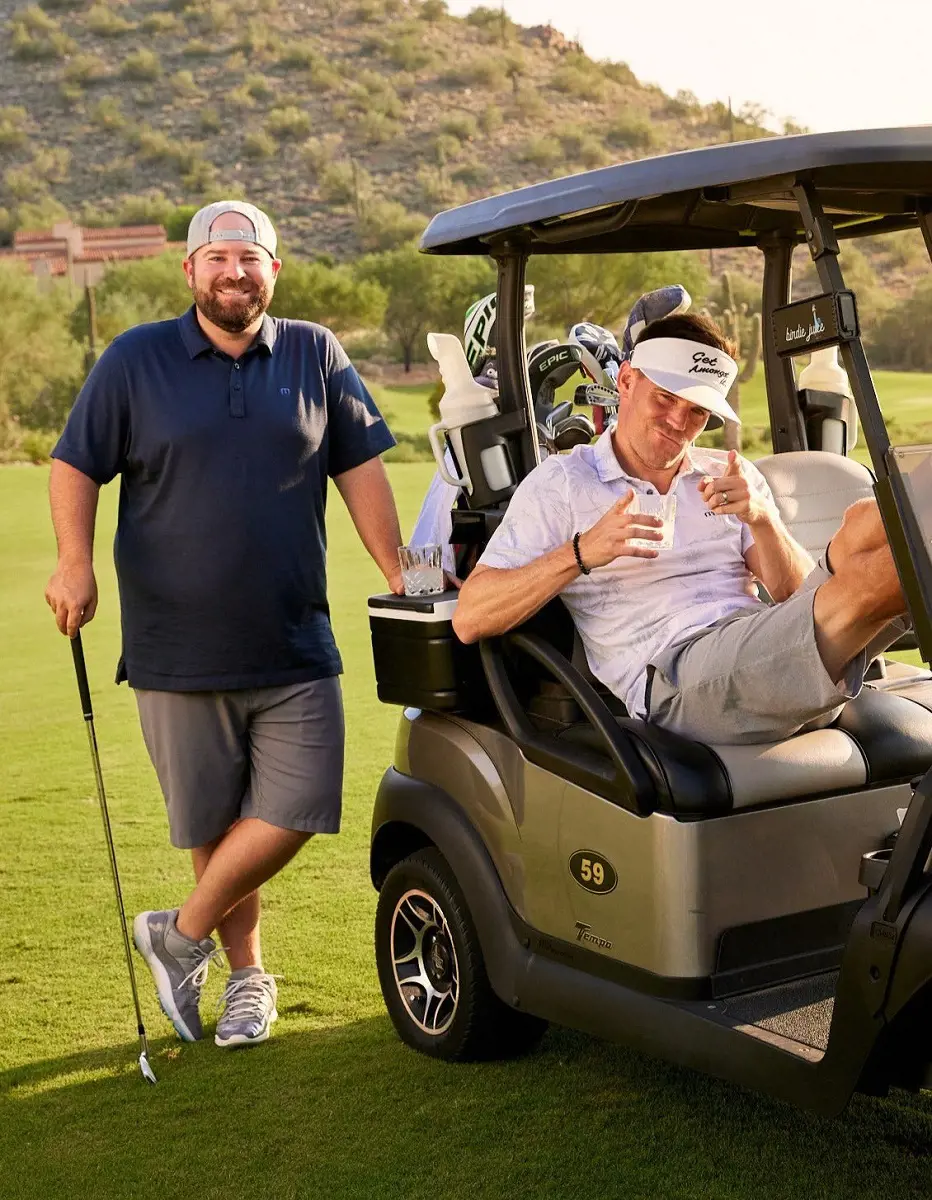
(357, 430)
(95, 440)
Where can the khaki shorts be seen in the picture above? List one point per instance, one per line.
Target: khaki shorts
(755, 676)
(273, 753)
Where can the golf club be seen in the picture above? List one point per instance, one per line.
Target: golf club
(77, 650)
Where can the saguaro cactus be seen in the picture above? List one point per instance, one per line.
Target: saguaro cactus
(744, 329)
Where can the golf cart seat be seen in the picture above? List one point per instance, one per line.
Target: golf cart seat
(812, 489)
(879, 738)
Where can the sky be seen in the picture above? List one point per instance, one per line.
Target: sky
(857, 64)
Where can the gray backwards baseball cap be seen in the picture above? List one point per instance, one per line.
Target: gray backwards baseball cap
(199, 232)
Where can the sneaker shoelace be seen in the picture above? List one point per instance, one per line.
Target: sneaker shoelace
(197, 977)
(246, 998)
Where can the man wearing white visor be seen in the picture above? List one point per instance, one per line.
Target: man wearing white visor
(654, 545)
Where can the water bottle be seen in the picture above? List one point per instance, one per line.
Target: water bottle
(824, 373)
(821, 383)
(464, 402)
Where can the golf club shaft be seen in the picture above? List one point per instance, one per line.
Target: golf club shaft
(77, 650)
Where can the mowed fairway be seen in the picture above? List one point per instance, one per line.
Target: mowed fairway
(334, 1105)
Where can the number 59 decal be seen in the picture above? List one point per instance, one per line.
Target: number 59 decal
(593, 872)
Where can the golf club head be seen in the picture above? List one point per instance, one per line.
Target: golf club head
(545, 437)
(575, 430)
(147, 1073)
(559, 413)
(596, 396)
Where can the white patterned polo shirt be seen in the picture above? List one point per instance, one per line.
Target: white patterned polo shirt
(632, 609)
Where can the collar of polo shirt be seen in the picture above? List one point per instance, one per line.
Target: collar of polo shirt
(608, 467)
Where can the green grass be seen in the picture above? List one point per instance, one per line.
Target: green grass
(333, 1105)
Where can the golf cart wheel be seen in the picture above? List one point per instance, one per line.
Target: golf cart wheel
(432, 972)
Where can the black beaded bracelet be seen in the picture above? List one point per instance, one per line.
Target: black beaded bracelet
(579, 562)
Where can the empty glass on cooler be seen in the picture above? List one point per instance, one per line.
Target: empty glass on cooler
(421, 570)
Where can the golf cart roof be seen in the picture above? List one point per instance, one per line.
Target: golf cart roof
(735, 194)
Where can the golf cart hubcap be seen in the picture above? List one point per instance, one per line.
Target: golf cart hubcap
(424, 962)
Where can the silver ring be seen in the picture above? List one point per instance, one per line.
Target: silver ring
(724, 497)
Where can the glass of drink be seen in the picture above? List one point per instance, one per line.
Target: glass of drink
(421, 570)
(654, 505)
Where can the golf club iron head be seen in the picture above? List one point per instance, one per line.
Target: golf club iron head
(595, 395)
(147, 1073)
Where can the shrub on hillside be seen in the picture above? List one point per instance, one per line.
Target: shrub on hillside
(630, 132)
(482, 72)
(160, 22)
(343, 183)
(433, 10)
(107, 113)
(182, 84)
(491, 119)
(241, 98)
(259, 87)
(289, 122)
(258, 145)
(85, 69)
(141, 65)
(374, 128)
(461, 126)
(580, 80)
(197, 48)
(37, 36)
(472, 175)
(106, 23)
(583, 148)
(409, 53)
(13, 123)
(208, 16)
(541, 152)
(209, 120)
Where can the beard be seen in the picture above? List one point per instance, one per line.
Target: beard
(232, 313)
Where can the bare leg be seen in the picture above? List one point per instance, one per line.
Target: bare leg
(863, 595)
(239, 929)
(229, 873)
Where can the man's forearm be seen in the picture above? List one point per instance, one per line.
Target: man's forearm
(492, 601)
(73, 502)
(784, 564)
(368, 496)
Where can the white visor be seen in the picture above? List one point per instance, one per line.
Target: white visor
(693, 371)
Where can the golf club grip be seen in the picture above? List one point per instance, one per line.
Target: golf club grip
(77, 649)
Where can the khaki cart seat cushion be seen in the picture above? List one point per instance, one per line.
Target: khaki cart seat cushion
(812, 489)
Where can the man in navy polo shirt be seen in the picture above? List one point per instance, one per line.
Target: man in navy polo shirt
(224, 426)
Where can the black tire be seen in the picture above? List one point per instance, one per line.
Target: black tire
(422, 913)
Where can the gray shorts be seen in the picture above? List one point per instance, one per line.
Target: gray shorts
(755, 676)
(274, 753)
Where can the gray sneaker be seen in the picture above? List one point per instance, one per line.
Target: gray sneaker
(248, 1003)
(179, 967)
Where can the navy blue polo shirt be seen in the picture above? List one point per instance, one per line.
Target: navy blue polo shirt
(220, 546)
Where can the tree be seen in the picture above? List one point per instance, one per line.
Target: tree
(150, 289)
(602, 288)
(40, 363)
(330, 295)
(425, 293)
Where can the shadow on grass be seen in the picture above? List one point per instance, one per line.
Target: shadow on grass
(351, 1112)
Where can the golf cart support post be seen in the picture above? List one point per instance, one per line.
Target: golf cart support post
(773, 194)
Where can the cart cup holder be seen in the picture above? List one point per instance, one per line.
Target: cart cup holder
(873, 866)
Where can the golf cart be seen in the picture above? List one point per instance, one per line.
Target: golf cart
(762, 913)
